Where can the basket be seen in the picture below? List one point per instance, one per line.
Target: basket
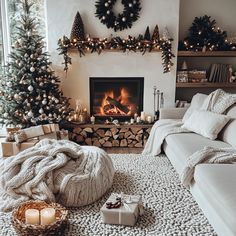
(23, 229)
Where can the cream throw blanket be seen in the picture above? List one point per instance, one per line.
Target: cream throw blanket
(218, 102)
(52, 170)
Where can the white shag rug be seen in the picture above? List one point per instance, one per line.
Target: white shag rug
(170, 210)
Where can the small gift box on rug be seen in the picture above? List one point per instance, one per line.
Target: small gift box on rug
(122, 209)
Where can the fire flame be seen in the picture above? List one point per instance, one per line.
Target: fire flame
(107, 109)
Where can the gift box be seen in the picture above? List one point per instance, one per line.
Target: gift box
(58, 135)
(125, 214)
(13, 148)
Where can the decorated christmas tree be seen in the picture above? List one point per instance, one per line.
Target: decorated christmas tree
(30, 92)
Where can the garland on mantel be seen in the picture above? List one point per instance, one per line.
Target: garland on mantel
(116, 43)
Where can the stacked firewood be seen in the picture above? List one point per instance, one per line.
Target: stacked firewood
(133, 136)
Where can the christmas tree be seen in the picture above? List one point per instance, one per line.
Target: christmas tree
(30, 93)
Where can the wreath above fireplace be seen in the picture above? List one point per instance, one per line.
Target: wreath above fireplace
(124, 20)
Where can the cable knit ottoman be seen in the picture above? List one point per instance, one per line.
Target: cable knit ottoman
(52, 170)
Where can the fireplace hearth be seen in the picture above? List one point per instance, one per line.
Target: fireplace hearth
(115, 97)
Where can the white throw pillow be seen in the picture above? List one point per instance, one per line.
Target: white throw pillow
(196, 103)
(206, 123)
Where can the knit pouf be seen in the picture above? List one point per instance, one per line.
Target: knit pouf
(85, 182)
(52, 170)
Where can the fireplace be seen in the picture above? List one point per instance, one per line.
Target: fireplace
(119, 98)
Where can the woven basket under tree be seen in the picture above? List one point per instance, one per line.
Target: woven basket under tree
(55, 229)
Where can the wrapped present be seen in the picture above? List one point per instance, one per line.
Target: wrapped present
(121, 209)
(63, 134)
(13, 148)
(58, 135)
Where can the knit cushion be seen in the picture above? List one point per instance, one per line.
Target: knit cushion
(52, 170)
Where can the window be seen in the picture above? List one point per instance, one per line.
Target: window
(10, 11)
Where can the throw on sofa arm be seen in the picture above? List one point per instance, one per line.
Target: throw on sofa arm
(172, 113)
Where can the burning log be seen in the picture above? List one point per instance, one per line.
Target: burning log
(117, 104)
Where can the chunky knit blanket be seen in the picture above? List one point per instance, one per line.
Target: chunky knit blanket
(53, 170)
(206, 155)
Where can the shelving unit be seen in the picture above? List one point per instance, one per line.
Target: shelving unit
(207, 54)
(203, 85)
(196, 60)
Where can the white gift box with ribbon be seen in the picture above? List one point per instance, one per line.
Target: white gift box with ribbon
(127, 214)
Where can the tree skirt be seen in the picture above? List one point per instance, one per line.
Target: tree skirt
(169, 207)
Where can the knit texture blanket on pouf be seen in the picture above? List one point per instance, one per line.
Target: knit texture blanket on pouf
(52, 170)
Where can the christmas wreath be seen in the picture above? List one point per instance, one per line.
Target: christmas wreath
(124, 20)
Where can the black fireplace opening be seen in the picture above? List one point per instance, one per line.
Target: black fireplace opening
(116, 97)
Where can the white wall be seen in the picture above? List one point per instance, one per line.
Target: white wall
(224, 12)
(60, 15)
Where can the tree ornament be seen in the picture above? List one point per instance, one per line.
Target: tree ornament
(77, 31)
(41, 84)
(53, 81)
(30, 114)
(30, 88)
(9, 84)
(124, 20)
(5, 115)
(32, 69)
(32, 56)
(44, 102)
(16, 96)
(147, 35)
(41, 111)
(156, 35)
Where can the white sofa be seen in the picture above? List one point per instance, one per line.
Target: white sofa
(214, 185)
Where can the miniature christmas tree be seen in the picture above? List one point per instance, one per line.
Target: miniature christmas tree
(156, 35)
(29, 90)
(147, 35)
(77, 31)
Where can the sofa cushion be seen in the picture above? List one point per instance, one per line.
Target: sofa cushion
(206, 123)
(228, 133)
(183, 145)
(217, 182)
(196, 103)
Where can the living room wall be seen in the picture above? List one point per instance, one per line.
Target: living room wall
(60, 16)
(222, 11)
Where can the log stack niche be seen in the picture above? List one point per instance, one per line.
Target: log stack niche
(109, 135)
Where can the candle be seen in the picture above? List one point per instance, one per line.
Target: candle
(32, 216)
(135, 116)
(142, 116)
(92, 119)
(138, 119)
(47, 216)
(149, 119)
(131, 121)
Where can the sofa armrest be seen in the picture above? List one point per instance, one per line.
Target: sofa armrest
(172, 113)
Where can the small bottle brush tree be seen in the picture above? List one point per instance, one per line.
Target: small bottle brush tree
(30, 93)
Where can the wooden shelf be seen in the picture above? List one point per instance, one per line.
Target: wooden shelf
(207, 54)
(205, 85)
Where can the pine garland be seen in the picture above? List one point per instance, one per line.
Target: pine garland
(205, 35)
(117, 43)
